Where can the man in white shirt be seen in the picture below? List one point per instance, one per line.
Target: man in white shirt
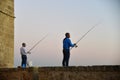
(23, 55)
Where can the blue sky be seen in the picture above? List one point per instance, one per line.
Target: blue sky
(36, 18)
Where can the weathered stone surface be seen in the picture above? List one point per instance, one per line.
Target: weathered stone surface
(62, 73)
(6, 33)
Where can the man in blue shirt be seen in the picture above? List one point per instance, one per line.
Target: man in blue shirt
(66, 49)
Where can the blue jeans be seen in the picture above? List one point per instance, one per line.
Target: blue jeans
(66, 56)
(24, 61)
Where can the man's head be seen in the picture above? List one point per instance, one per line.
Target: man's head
(67, 35)
(23, 44)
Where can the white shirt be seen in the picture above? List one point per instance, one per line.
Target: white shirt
(23, 51)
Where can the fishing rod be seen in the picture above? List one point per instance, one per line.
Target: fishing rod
(38, 43)
(86, 33)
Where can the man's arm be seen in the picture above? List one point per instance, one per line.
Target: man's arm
(23, 51)
(70, 43)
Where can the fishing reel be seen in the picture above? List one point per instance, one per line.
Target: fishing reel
(75, 45)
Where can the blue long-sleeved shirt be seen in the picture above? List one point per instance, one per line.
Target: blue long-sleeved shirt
(67, 43)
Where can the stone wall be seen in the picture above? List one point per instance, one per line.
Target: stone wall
(62, 73)
(6, 33)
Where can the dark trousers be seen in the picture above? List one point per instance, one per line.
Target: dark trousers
(24, 60)
(66, 56)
